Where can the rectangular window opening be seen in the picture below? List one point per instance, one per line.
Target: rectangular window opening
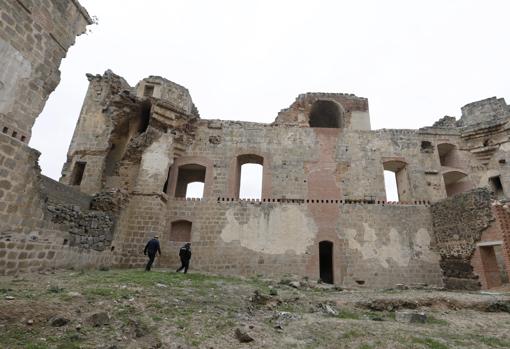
(390, 184)
(78, 171)
(148, 91)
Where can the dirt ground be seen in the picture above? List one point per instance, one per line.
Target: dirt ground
(162, 309)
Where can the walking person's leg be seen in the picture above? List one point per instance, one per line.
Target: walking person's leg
(186, 266)
(182, 266)
(149, 263)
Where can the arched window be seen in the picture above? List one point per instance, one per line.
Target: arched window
(188, 174)
(250, 170)
(396, 181)
(180, 231)
(326, 114)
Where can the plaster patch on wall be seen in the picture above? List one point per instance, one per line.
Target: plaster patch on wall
(14, 67)
(280, 230)
(156, 159)
(396, 247)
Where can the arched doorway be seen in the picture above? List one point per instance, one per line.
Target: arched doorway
(326, 261)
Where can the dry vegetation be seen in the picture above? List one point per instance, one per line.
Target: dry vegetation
(161, 309)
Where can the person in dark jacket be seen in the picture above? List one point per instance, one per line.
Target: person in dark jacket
(185, 255)
(151, 249)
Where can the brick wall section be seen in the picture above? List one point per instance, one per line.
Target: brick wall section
(483, 260)
(458, 224)
(503, 217)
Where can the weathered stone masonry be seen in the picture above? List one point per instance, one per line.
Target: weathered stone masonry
(37, 230)
(323, 211)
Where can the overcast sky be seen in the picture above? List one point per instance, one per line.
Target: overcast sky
(415, 61)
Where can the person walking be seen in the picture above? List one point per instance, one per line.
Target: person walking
(185, 255)
(151, 249)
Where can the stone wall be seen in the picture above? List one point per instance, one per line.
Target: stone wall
(40, 231)
(43, 224)
(376, 245)
(458, 224)
(54, 191)
(34, 37)
(351, 163)
(489, 109)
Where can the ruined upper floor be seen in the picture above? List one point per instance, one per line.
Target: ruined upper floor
(138, 137)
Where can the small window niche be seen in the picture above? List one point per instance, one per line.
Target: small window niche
(426, 147)
(497, 187)
(148, 91)
(180, 231)
(78, 172)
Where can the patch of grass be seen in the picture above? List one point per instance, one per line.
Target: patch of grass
(429, 343)
(55, 289)
(107, 292)
(348, 314)
(20, 337)
(435, 321)
(36, 346)
(366, 346)
(493, 342)
(352, 334)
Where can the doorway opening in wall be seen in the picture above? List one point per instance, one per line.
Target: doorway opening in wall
(187, 175)
(493, 262)
(326, 261)
(497, 187)
(390, 185)
(180, 231)
(78, 171)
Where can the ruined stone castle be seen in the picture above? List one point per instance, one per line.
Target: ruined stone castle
(323, 211)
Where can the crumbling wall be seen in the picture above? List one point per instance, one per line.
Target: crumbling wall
(354, 110)
(34, 37)
(458, 224)
(45, 224)
(54, 191)
(489, 109)
(350, 163)
(87, 229)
